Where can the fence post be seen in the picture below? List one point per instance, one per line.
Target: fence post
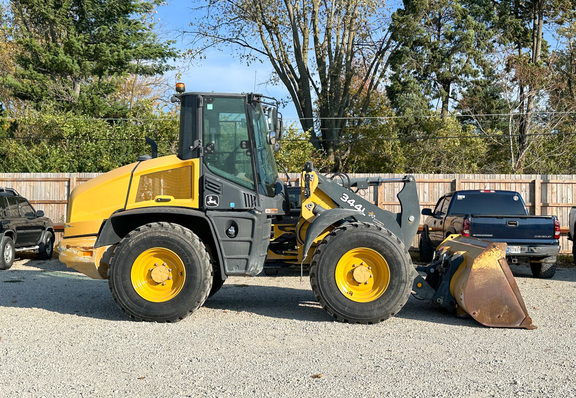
(455, 183)
(537, 195)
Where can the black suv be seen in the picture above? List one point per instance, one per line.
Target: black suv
(22, 228)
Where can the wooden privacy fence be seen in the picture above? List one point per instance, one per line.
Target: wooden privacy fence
(543, 194)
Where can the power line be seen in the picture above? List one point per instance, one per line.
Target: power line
(422, 138)
(345, 118)
(471, 115)
(340, 140)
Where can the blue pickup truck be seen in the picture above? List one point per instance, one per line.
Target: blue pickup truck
(498, 216)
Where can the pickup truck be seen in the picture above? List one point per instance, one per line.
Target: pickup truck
(497, 216)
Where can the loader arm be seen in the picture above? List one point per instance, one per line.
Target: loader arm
(326, 202)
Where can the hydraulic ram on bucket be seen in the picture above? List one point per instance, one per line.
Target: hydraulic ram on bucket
(472, 276)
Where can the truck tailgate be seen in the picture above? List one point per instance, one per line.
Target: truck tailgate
(512, 228)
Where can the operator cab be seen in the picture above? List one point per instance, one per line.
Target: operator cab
(235, 136)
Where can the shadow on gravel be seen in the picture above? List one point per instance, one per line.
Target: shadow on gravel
(45, 286)
(270, 301)
(426, 311)
(50, 286)
(301, 304)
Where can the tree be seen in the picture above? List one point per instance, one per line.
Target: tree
(442, 46)
(75, 53)
(442, 145)
(296, 150)
(314, 48)
(563, 90)
(7, 49)
(43, 141)
(520, 30)
(371, 136)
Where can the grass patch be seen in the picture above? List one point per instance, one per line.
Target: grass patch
(565, 261)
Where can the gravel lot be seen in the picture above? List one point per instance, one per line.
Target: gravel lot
(61, 335)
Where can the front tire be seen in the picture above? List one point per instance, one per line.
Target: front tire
(160, 272)
(7, 252)
(361, 273)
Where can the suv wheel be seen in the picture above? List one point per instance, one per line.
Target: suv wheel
(46, 248)
(6, 252)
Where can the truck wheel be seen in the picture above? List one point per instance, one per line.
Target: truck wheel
(425, 248)
(160, 272)
(6, 252)
(46, 248)
(545, 269)
(574, 251)
(361, 273)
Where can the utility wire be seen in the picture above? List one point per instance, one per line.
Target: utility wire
(341, 140)
(345, 118)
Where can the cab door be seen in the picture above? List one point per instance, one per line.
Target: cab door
(436, 229)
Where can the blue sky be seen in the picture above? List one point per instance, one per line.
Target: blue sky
(220, 71)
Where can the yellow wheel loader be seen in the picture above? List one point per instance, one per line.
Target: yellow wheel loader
(166, 232)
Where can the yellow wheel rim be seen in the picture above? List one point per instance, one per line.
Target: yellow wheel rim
(362, 275)
(158, 274)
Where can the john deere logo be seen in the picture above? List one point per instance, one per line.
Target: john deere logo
(212, 201)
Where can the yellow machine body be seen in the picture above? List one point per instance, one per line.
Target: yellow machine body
(164, 181)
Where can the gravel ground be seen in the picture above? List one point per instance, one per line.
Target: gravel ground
(61, 335)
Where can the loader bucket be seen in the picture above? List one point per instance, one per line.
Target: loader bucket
(483, 285)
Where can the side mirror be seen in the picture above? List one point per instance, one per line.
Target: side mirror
(39, 213)
(271, 119)
(271, 138)
(426, 212)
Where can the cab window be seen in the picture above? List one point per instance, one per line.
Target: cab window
(26, 209)
(3, 206)
(445, 205)
(12, 209)
(226, 140)
(438, 208)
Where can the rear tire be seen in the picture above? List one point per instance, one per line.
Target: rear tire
(7, 252)
(160, 272)
(545, 269)
(425, 248)
(46, 248)
(361, 273)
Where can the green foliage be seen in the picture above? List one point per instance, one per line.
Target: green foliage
(375, 149)
(473, 87)
(553, 153)
(372, 142)
(65, 142)
(296, 150)
(73, 55)
(441, 46)
(442, 145)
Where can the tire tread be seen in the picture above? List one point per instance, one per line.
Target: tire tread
(195, 241)
(407, 288)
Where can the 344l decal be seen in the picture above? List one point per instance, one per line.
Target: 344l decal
(352, 203)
